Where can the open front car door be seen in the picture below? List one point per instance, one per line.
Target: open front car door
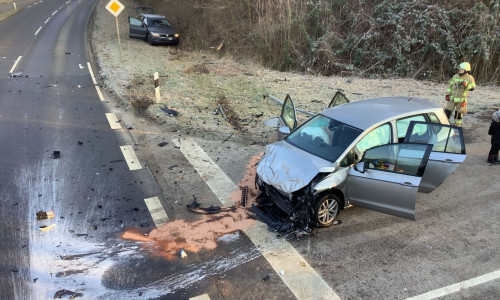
(448, 150)
(388, 177)
(338, 99)
(288, 118)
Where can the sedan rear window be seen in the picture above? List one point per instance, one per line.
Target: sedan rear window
(324, 137)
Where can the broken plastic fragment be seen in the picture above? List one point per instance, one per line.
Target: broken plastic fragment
(162, 144)
(183, 254)
(282, 272)
(46, 228)
(17, 74)
(56, 154)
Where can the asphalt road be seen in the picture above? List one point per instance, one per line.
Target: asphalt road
(96, 194)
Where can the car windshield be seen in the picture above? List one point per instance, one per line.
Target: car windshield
(324, 137)
(159, 23)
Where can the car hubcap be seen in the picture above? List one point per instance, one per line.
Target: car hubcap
(327, 211)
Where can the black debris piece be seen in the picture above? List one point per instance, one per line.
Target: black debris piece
(16, 74)
(196, 207)
(169, 111)
(244, 196)
(66, 294)
(56, 154)
(162, 144)
(41, 215)
(69, 53)
(266, 278)
(80, 143)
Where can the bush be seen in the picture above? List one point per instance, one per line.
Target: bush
(391, 38)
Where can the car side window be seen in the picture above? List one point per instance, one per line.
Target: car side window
(378, 136)
(402, 125)
(433, 118)
(134, 21)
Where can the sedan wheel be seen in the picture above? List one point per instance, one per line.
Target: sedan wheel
(326, 210)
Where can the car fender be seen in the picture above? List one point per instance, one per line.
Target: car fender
(336, 180)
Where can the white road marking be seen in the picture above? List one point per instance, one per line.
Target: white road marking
(36, 33)
(457, 286)
(113, 121)
(156, 210)
(55, 12)
(298, 275)
(15, 64)
(46, 21)
(132, 161)
(217, 180)
(201, 297)
(91, 72)
(99, 93)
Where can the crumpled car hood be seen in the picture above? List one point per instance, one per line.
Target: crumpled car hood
(288, 168)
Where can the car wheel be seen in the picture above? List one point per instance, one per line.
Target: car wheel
(150, 39)
(326, 210)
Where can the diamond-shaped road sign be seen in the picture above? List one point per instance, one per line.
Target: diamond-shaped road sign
(115, 7)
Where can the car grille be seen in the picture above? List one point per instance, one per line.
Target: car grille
(278, 198)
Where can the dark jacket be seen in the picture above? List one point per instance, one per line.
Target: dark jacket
(494, 131)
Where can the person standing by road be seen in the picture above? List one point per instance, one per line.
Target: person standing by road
(458, 91)
(494, 131)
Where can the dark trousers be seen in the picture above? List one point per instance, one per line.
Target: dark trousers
(494, 150)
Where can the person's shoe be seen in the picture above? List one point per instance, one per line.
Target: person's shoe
(495, 158)
(491, 159)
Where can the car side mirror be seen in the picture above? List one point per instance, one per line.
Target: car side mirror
(284, 130)
(360, 167)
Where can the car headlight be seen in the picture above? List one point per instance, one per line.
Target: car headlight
(176, 35)
(155, 34)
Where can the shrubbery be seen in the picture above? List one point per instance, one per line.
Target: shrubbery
(389, 38)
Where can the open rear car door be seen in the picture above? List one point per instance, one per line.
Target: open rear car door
(448, 150)
(388, 177)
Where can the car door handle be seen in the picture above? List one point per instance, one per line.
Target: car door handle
(408, 184)
(448, 159)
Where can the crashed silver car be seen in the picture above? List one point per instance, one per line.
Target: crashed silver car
(375, 153)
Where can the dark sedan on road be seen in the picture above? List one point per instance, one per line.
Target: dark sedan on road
(155, 29)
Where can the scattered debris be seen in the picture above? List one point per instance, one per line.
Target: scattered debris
(56, 154)
(42, 215)
(169, 111)
(302, 263)
(266, 278)
(162, 144)
(282, 272)
(244, 196)
(226, 139)
(183, 254)
(66, 294)
(81, 67)
(195, 207)
(80, 143)
(172, 167)
(16, 74)
(222, 112)
(47, 228)
(69, 53)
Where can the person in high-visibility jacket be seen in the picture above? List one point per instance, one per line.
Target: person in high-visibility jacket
(458, 91)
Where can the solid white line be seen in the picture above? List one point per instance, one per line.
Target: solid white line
(129, 154)
(113, 121)
(47, 20)
(156, 210)
(91, 72)
(101, 97)
(457, 286)
(38, 30)
(297, 274)
(201, 297)
(15, 64)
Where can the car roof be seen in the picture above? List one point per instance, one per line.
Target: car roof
(366, 113)
(153, 16)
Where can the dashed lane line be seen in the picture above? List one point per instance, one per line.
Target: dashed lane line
(40, 28)
(157, 211)
(113, 121)
(457, 286)
(129, 154)
(46, 21)
(15, 64)
(293, 269)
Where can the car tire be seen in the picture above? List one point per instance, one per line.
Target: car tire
(150, 40)
(326, 209)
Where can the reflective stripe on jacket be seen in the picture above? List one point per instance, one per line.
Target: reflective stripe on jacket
(457, 91)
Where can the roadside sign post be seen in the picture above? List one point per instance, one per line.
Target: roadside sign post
(157, 86)
(115, 7)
